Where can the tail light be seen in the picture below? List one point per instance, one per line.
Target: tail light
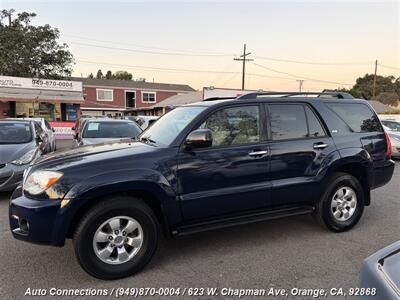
(388, 145)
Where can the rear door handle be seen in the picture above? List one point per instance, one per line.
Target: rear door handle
(258, 153)
(320, 146)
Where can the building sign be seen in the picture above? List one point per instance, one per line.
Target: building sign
(43, 84)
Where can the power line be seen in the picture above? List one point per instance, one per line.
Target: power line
(181, 70)
(202, 53)
(149, 47)
(389, 67)
(147, 51)
(301, 77)
(312, 62)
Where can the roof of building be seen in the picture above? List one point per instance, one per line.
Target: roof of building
(182, 99)
(133, 84)
(379, 107)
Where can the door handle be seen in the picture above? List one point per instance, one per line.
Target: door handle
(320, 146)
(258, 153)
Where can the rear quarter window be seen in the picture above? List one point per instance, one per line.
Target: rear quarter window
(357, 117)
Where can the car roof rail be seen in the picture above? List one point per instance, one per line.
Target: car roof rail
(323, 94)
(220, 98)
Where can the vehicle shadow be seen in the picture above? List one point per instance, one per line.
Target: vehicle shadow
(5, 196)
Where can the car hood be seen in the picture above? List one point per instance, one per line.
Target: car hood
(92, 141)
(10, 152)
(92, 154)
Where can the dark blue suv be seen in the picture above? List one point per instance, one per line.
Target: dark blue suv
(204, 166)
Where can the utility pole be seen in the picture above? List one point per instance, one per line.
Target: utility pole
(300, 81)
(244, 59)
(374, 84)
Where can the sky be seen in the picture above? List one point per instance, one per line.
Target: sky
(328, 44)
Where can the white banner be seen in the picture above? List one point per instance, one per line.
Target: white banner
(44, 84)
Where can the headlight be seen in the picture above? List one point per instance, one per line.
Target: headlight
(39, 181)
(26, 158)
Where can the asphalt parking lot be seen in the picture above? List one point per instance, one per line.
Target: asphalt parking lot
(286, 253)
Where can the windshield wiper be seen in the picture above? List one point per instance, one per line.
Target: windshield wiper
(147, 140)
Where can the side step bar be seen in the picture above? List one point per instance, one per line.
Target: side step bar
(241, 219)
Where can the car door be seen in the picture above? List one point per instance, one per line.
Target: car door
(50, 134)
(299, 145)
(41, 138)
(231, 175)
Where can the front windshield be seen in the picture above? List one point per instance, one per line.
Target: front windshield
(168, 127)
(103, 130)
(15, 133)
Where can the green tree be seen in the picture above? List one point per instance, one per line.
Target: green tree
(99, 74)
(90, 76)
(122, 75)
(31, 51)
(109, 75)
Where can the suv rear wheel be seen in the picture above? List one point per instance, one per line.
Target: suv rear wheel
(342, 203)
(116, 238)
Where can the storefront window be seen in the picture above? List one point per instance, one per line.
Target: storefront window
(49, 111)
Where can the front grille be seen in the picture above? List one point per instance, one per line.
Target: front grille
(4, 179)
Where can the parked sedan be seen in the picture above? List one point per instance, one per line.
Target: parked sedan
(46, 127)
(21, 142)
(97, 131)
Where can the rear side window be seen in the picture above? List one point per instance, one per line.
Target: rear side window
(314, 125)
(358, 117)
(287, 121)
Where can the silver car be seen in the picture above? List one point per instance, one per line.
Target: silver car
(46, 127)
(21, 142)
(97, 131)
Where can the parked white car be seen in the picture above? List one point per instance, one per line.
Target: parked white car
(394, 137)
(48, 130)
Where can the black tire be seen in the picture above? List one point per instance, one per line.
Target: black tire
(97, 215)
(323, 212)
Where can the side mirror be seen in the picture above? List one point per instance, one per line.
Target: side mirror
(200, 138)
(53, 130)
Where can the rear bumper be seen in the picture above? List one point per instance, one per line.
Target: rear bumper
(34, 220)
(382, 173)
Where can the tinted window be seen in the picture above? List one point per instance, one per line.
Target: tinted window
(111, 130)
(234, 126)
(358, 117)
(288, 121)
(16, 133)
(314, 126)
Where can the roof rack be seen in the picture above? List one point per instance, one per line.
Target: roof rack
(323, 94)
(219, 98)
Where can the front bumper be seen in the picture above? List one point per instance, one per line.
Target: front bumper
(11, 176)
(34, 221)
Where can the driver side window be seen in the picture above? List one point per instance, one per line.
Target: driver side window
(234, 126)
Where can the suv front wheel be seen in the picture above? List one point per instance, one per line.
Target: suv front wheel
(342, 203)
(116, 238)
